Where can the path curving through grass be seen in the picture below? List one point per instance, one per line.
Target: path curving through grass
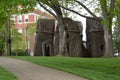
(91, 68)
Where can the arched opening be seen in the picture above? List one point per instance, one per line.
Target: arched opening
(101, 47)
(47, 50)
(67, 43)
(67, 35)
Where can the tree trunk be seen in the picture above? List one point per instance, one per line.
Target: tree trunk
(108, 42)
(62, 39)
(107, 13)
(55, 6)
(8, 37)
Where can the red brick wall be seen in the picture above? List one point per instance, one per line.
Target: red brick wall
(23, 24)
(31, 18)
(23, 20)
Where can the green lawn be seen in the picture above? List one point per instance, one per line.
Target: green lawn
(5, 75)
(91, 68)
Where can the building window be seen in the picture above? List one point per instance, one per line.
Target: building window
(20, 18)
(26, 17)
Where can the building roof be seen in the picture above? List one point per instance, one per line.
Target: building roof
(39, 12)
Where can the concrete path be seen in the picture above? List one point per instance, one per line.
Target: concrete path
(29, 71)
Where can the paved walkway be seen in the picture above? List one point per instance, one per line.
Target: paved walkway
(29, 71)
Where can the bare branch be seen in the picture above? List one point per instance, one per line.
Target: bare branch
(47, 10)
(86, 8)
(76, 12)
(57, 9)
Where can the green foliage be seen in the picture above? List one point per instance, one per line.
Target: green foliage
(10, 7)
(116, 40)
(117, 7)
(2, 44)
(105, 22)
(16, 39)
(18, 52)
(116, 32)
(2, 37)
(5, 75)
(91, 68)
(31, 29)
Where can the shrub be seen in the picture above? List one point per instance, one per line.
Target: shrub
(18, 52)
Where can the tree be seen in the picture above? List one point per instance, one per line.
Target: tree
(116, 40)
(116, 32)
(7, 9)
(107, 9)
(16, 39)
(54, 4)
(2, 40)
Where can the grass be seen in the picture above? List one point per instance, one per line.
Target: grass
(5, 75)
(91, 68)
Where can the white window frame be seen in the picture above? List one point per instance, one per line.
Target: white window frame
(19, 18)
(26, 17)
